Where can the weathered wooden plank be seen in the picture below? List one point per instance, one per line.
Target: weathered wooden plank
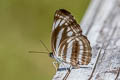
(102, 26)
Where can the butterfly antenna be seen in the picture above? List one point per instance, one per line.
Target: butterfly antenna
(37, 52)
(45, 46)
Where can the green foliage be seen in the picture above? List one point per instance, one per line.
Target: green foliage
(23, 23)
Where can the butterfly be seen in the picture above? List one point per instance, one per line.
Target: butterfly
(68, 43)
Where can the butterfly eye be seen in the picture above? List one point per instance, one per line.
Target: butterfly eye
(51, 55)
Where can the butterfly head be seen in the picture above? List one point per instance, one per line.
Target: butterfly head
(51, 55)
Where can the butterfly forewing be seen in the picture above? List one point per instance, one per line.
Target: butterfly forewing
(64, 26)
(67, 40)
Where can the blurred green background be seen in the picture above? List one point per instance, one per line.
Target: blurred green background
(23, 23)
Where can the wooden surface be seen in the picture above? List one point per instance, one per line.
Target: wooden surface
(101, 24)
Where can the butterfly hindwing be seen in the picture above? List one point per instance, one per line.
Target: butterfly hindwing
(75, 51)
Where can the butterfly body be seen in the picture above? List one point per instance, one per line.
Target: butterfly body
(68, 43)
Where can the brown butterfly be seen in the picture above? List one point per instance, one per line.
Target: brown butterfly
(68, 43)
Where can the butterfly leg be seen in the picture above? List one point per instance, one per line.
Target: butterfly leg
(68, 72)
(64, 65)
(70, 68)
(54, 64)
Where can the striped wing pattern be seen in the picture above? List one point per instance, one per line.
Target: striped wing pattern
(68, 43)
